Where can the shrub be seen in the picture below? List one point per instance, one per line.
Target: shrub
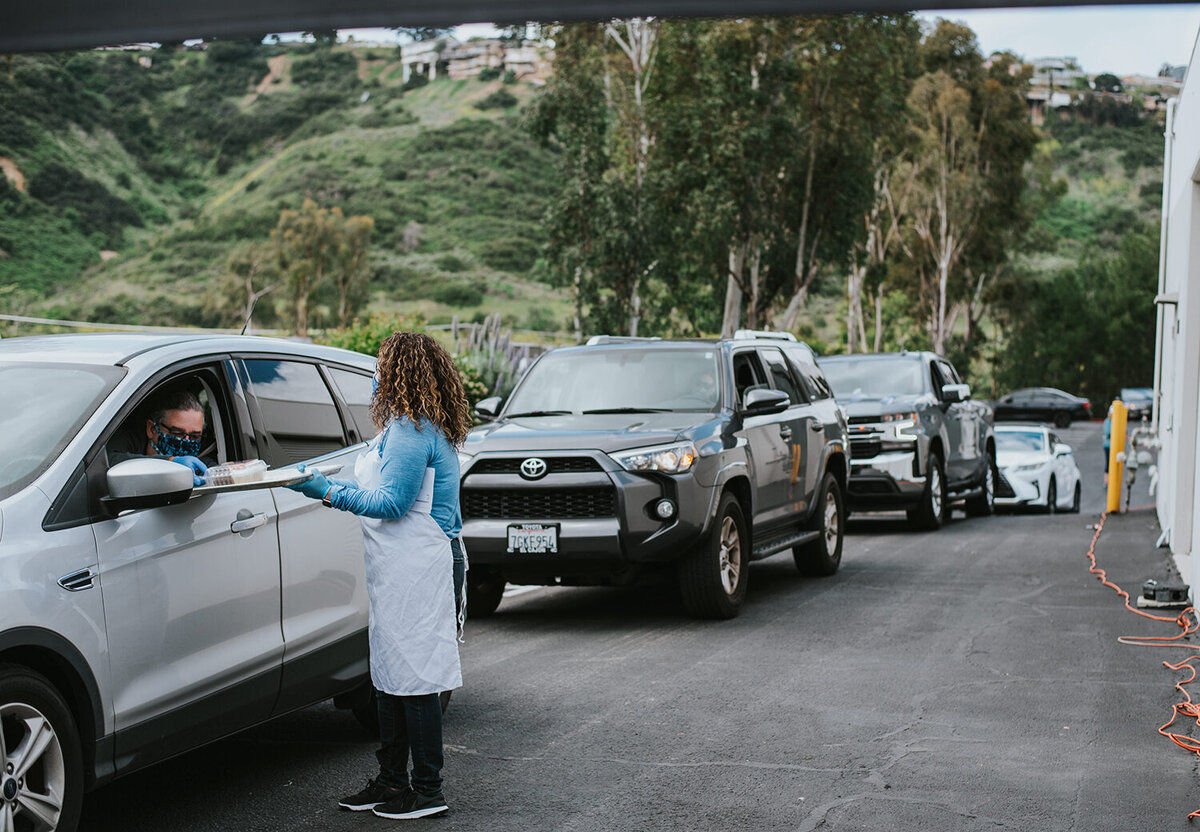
(458, 294)
(366, 336)
(499, 100)
(451, 263)
(490, 73)
(509, 254)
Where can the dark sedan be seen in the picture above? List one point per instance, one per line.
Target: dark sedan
(1042, 404)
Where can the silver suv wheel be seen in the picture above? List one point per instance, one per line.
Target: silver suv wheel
(33, 775)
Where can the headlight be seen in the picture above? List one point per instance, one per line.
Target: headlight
(1025, 469)
(670, 459)
(464, 460)
(901, 424)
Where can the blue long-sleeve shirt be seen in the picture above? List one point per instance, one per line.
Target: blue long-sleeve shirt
(407, 450)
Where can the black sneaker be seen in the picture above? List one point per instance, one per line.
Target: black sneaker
(413, 805)
(373, 795)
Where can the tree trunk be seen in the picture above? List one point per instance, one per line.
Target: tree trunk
(752, 299)
(854, 284)
(733, 293)
(879, 319)
(578, 290)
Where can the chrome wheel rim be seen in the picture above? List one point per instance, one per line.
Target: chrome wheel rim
(989, 485)
(832, 523)
(935, 491)
(730, 557)
(32, 770)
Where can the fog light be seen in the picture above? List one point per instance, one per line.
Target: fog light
(665, 509)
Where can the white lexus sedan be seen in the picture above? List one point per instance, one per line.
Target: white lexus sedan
(1036, 469)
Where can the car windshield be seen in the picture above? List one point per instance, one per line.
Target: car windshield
(42, 408)
(871, 378)
(1136, 394)
(619, 380)
(1020, 441)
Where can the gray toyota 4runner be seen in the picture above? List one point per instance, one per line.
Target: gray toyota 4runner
(626, 457)
(918, 441)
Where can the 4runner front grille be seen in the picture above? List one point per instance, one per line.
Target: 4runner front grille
(538, 504)
(554, 465)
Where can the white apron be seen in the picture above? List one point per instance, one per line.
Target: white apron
(412, 628)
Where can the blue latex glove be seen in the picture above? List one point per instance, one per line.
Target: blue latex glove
(199, 469)
(316, 488)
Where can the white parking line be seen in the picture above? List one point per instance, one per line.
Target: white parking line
(515, 590)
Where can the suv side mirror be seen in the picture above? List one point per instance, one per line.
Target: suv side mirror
(488, 408)
(952, 393)
(148, 482)
(763, 401)
(1062, 450)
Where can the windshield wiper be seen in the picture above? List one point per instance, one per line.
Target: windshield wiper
(538, 413)
(628, 410)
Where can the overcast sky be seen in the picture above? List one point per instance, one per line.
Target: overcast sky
(1120, 39)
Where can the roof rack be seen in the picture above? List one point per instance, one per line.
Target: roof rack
(768, 334)
(619, 339)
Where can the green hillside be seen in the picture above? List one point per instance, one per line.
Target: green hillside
(172, 168)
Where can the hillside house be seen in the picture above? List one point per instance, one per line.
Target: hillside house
(528, 61)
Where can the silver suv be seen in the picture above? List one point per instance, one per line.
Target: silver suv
(133, 629)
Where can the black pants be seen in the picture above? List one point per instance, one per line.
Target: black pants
(410, 724)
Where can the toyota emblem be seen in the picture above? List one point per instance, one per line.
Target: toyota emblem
(534, 468)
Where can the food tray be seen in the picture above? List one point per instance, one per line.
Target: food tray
(270, 479)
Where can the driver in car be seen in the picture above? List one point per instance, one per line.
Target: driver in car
(174, 429)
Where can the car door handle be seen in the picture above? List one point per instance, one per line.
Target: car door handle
(245, 524)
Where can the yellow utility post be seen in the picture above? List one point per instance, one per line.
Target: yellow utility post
(1116, 468)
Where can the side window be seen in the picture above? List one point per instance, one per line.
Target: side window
(300, 418)
(935, 374)
(747, 374)
(810, 376)
(949, 373)
(355, 389)
(781, 376)
(213, 426)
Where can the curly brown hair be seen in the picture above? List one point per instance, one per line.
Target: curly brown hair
(418, 379)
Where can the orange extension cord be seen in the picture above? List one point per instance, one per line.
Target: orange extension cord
(1188, 623)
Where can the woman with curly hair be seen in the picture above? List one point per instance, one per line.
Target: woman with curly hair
(407, 496)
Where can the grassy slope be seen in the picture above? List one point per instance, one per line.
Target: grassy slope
(471, 178)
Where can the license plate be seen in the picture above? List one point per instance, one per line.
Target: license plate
(532, 539)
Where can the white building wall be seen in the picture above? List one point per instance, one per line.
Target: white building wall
(1178, 328)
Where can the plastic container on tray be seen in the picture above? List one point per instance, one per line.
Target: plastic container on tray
(234, 473)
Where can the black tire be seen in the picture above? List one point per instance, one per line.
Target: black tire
(931, 513)
(367, 714)
(485, 590)
(25, 694)
(822, 556)
(985, 503)
(712, 580)
(1052, 497)
(1074, 509)
(1062, 419)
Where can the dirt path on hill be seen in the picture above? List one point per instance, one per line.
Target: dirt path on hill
(275, 67)
(13, 174)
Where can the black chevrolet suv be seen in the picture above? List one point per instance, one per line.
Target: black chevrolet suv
(628, 457)
(917, 439)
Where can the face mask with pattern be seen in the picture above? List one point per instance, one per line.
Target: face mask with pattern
(168, 444)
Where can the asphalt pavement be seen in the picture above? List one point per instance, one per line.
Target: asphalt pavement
(966, 679)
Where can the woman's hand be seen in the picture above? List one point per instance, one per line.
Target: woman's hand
(316, 488)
